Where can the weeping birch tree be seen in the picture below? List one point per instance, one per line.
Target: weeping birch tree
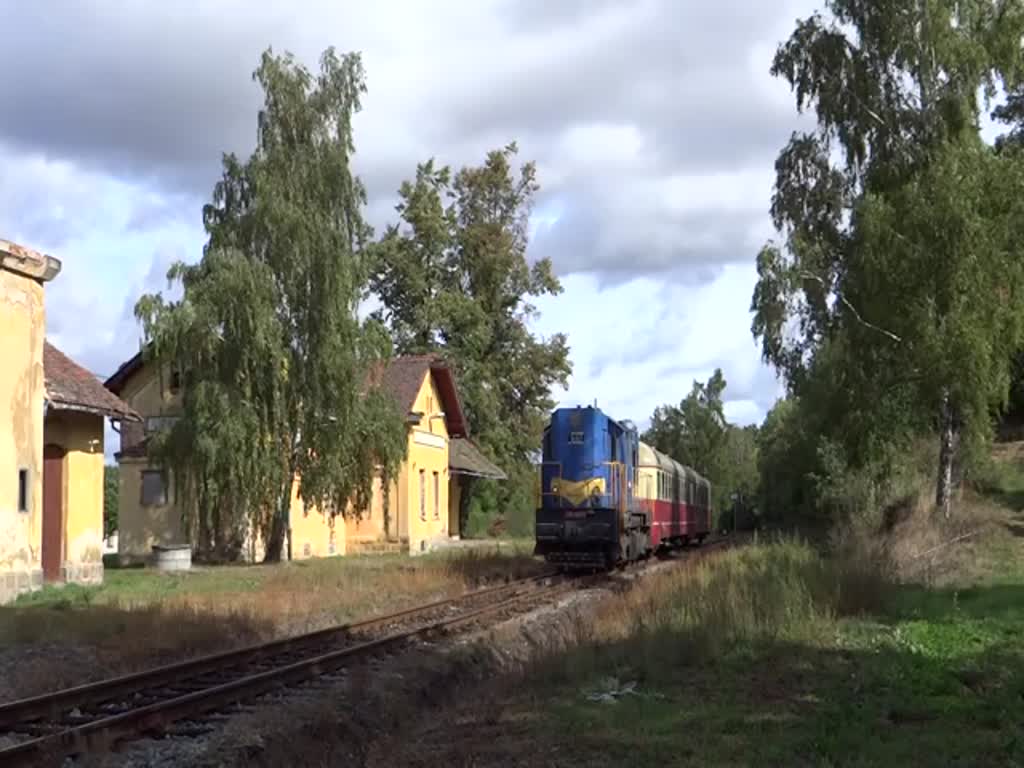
(453, 278)
(900, 266)
(273, 356)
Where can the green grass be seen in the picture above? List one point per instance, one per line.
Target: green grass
(775, 656)
(935, 678)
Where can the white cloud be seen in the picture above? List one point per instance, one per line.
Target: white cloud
(654, 125)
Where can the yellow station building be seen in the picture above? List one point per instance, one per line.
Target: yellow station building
(422, 509)
(51, 440)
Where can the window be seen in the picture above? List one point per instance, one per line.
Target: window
(423, 495)
(174, 385)
(437, 496)
(154, 488)
(159, 423)
(23, 494)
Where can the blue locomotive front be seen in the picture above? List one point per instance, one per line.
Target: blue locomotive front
(586, 515)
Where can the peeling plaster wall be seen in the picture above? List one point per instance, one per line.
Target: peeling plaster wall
(22, 331)
(140, 527)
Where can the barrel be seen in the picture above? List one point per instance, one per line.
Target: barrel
(174, 557)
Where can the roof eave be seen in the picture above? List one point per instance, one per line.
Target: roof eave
(117, 415)
(455, 417)
(124, 371)
(499, 475)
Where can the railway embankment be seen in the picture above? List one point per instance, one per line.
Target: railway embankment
(906, 649)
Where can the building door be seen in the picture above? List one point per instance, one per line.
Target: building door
(53, 511)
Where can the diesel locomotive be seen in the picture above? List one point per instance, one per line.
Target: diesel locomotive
(606, 498)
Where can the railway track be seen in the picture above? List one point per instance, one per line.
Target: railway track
(96, 716)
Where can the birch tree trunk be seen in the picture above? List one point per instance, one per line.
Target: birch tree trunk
(944, 483)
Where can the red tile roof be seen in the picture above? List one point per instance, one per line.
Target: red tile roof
(401, 378)
(70, 387)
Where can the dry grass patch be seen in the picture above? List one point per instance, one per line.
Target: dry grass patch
(728, 603)
(140, 618)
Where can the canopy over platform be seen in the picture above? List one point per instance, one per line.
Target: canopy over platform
(465, 458)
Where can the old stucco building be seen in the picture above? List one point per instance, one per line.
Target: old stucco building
(72, 528)
(23, 273)
(51, 440)
(422, 504)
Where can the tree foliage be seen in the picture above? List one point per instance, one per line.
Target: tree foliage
(696, 434)
(896, 291)
(111, 498)
(273, 356)
(453, 278)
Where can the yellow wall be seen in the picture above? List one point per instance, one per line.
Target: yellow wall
(22, 330)
(81, 437)
(373, 524)
(428, 453)
(150, 396)
(314, 534)
(139, 527)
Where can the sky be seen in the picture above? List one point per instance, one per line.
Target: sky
(654, 125)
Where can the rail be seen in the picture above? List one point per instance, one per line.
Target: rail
(97, 715)
(185, 693)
